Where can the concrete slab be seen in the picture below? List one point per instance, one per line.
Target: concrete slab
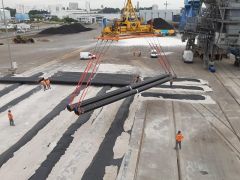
(15, 94)
(221, 125)
(2, 86)
(28, 112)
(204, 154)
(8, 89)
(85, 144)
(26, 161)
(130, 162)
(157, 155)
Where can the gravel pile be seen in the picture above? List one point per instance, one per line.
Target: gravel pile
(66, 29)
(159, 23)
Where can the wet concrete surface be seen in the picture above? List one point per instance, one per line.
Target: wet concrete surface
(19, 99)
(46, 166)
(9, 153)
(9, 89)
(103, 158)
(181, 87)
(210, 147)
(174, 96)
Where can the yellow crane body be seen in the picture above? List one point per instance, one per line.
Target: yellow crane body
(128, 25)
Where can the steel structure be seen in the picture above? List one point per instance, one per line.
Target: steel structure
(129, 26)
(116, 95)
(191, 9)
(212, 31)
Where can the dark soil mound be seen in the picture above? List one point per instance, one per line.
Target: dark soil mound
(159, 23)
(66, 29)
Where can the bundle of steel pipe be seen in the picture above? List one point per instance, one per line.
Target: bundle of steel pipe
(108, 98)
(72, 78)
(100, 79)
(34, 79)
(115, 92)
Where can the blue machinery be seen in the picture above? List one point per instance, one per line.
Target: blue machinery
(215, 26)
(191, 9)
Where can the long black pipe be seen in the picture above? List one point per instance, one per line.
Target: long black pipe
(116, 92)
(118, 97)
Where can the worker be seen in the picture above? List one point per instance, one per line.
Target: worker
(137, 79)
(43, 83)
(47, 82)
(171, 83)
(139, 53)
(10, 117)
(179, 138)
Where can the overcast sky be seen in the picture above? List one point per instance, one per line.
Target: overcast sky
(173, 4)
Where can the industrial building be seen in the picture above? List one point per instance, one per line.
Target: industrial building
(21, 17)
(73, 6)
(86, 18)
(215, 28)
(155, 12)
(20, 8)
(83, 15)
(159, 13)
(7, 15)
(79, 15)
(55, 8)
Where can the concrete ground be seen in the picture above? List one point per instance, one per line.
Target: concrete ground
(131, 139)
(45, 49)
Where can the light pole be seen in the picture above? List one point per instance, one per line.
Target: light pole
(166, 5)
(8, 43)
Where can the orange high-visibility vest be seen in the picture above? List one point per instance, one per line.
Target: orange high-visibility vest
(47, 81)
(179, 137)
(10, 116)
(43, 83)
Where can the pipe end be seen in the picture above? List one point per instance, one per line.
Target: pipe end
(69, 108)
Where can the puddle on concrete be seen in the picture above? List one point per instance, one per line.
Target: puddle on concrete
(204, 172)
(174, 96)
(187, 98)
(188, 79)
(181, 87)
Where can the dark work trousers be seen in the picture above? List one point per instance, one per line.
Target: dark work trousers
(11, 122)
(178, 143)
